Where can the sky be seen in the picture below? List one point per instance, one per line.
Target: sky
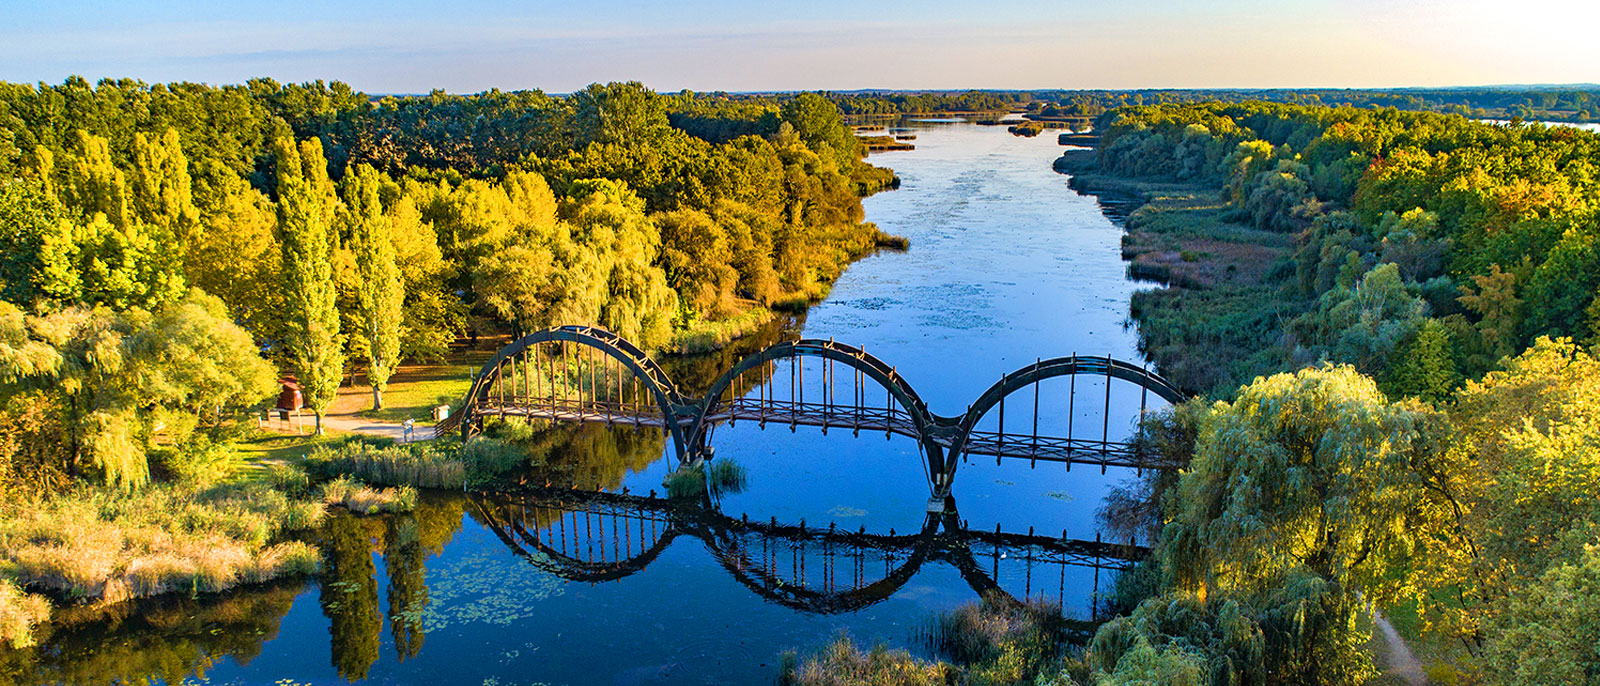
(465, 46)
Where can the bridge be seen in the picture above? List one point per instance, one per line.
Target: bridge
(598, 537)
(587, 374)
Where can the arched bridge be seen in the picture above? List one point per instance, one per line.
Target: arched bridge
(597, 537)
(587, 374)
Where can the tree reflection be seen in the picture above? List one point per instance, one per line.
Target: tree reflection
(167, 640)
(350, 593)
(403, 556)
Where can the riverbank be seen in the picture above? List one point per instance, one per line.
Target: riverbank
(1208, 326)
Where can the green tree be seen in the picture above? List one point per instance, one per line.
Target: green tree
(1305, 494)
(117, 379)
(305, 210)
(38, 253)
(380, 286)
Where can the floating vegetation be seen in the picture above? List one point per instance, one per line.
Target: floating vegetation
(1060, 495)
(847, 511)
(485, 588)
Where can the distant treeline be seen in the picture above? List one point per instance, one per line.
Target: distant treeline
(1576, 104)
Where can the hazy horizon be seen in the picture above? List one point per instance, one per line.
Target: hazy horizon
(414, 47)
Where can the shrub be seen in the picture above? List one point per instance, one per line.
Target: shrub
(200, 462)
(20, 612)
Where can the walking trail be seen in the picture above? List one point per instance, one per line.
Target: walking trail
(1401, 662)
(372, 427)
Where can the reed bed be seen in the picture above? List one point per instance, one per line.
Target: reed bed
(362, 499)
(108, 546)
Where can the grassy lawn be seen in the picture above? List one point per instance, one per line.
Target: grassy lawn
(273, 448)
(414, 390)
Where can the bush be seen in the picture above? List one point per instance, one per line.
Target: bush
(20, 612)
(200, 462)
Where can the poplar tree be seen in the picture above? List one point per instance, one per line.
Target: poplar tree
(312, 321)
(380, 287)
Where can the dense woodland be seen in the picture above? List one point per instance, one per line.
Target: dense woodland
(1434, 457)
(1429, 247)
(328, 229)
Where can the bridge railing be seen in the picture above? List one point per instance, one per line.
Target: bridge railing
(511, 386)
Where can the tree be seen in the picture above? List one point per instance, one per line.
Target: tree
(380, 287)
(116, 379)
(622, 113)
(609, 224)
(305, 208)
(1304, 496)
(817, 122)
(38, 255)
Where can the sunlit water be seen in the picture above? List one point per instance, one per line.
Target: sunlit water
(1007, 265)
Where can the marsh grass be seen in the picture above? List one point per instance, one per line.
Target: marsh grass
(92, 544)
(706, 336)
(20, 612)
(841, 663)
(363, 500)
(715, 478)
(435, 464)
(998, 641)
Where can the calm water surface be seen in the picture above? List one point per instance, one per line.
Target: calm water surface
(1007, 265)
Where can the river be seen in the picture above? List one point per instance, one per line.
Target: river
(1006, 265)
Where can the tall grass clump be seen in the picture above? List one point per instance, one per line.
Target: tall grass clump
(725, 477)
(362, 499)
(715, 478)
(841, 663)
(20, 612)
(419, 465)
(1001, 641)
(92, 544)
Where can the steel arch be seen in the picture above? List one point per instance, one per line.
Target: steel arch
(869, 365)
(1052, 368)
(661, 387)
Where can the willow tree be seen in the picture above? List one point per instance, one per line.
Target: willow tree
(380, 287)
(305, 208)
(1309, 497)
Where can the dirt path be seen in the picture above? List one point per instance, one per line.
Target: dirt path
(1400, 661)
(372, 427)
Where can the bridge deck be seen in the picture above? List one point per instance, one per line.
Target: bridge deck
(893, 420)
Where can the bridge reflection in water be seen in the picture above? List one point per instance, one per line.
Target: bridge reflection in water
(597, 537)
(589, 375)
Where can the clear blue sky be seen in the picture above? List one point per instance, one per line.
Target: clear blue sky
(467, 46)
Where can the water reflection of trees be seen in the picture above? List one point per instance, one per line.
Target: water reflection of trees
(173, 639)
(349, 593)
(168, 639)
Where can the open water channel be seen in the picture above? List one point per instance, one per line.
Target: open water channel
(1006, 265)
